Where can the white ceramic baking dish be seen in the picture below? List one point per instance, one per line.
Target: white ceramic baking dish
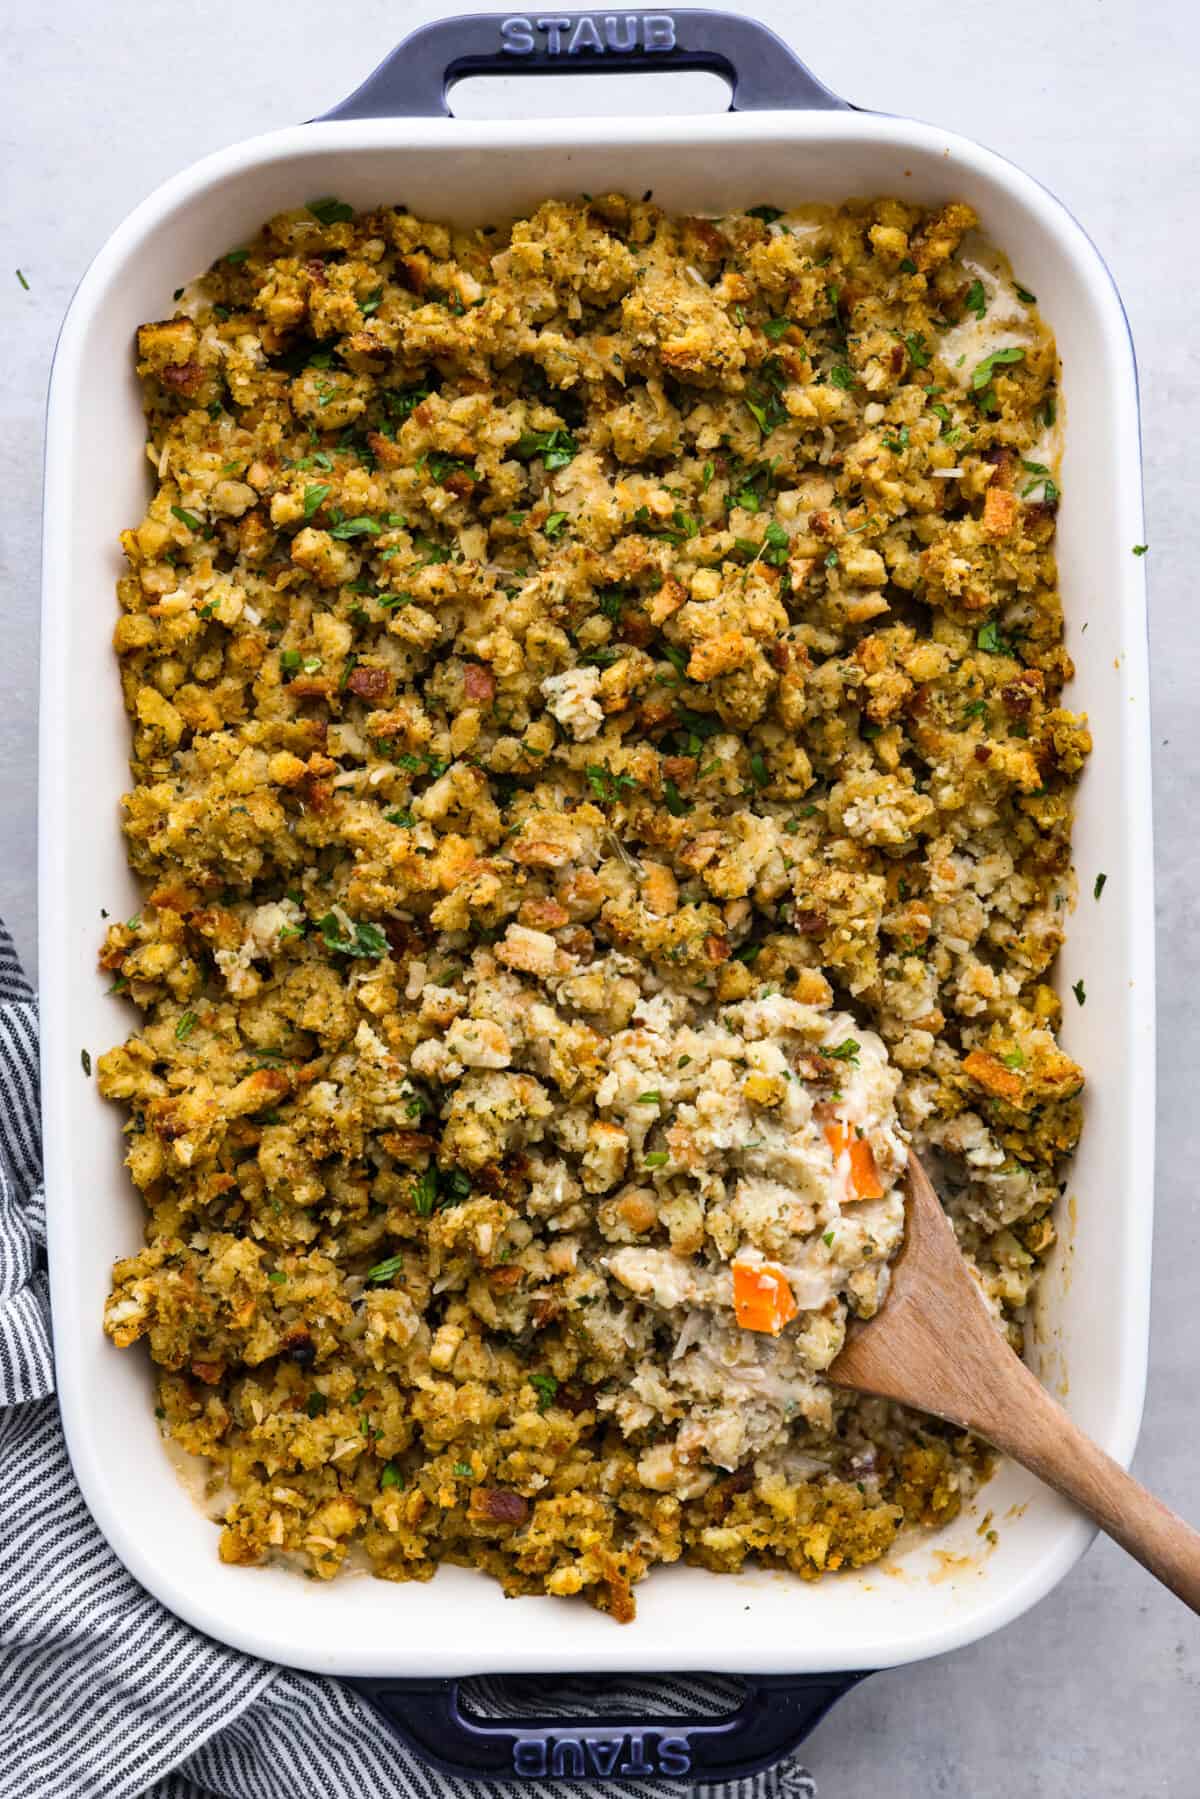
(1088, 1338)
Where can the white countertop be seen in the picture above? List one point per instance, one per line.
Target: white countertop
(1094, 1694)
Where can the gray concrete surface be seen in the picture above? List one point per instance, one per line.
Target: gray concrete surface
(1094, 1694)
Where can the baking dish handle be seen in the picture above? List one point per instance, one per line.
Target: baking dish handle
(415, 80)
(777, 1713)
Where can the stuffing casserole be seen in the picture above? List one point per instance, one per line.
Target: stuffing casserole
(601, 782)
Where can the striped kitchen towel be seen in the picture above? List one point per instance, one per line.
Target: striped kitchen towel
(106, 1695)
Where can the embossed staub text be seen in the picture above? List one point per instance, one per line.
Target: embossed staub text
(592, 34)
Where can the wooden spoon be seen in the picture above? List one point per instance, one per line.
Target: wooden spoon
(935, 1345)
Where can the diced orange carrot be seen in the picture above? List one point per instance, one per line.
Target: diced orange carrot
(864, 1176)
(762, 1299)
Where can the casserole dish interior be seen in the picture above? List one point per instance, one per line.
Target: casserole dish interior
(1088, 1337)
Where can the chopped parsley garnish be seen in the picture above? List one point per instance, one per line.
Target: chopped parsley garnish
(758, 769)
(554, 524)
(556, 448)
(330, 211)
(841, 375)
(187, 518)
(846, 1051)
(775, 328)
(390, 1477)
(289, 659)
(918, 355)
(676, 805)
(186, 1026)
(831, 561)
(982, 372)
(356, 527)
(277, 1277)
(1080, 993)
(424, 1192)
(25, 284)
(768, 214)
(546, 1387)
(976, 300)
(316, 1404)
(363, 939)
(383, 1271)
(1014, 1059)
(990, 639)
(313, 497)
(1139, 549)
(1024, 294)
(85, 1061)
(908, 266)
(657, 1158)
(398, 816)
(611, 601)
(652, 1098)
(604, 784)
(464, 1470)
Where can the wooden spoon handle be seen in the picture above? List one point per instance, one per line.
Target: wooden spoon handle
(1038, 1433)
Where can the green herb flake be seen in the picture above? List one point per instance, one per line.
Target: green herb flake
(187, 518)
(464, 1471)
(316, 1404)
(313, 497)
(384, 1271)
(1014, 1059)
(908, 266)
(657, 1158)
(652, 1098)
(356, 527)
(846, 1051)
(276, 1277)
(545, 1387)
(976, 300)
(989, 638)
(390, 1477)
(1098, 888)
(186, 1026)
(758, 770)
(1024, 294)
(768, 214)
(827, 1239)
(1080, 993)
(85, 1062)
(363, 939)
(831, 561)
(676, 805)
(841, 375)
(775, 328)
(424, 1192)
(25, 284)
(330, 211)
(554, 524)
(918, 353)
(556, 448)
(398, 816)
(1139, 549)
(982, 372)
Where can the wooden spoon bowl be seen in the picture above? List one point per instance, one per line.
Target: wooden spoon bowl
(935, 1345)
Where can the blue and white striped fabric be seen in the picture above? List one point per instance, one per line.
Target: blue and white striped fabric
(103, 1693)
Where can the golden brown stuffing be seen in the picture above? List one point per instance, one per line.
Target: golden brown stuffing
(545, 648)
